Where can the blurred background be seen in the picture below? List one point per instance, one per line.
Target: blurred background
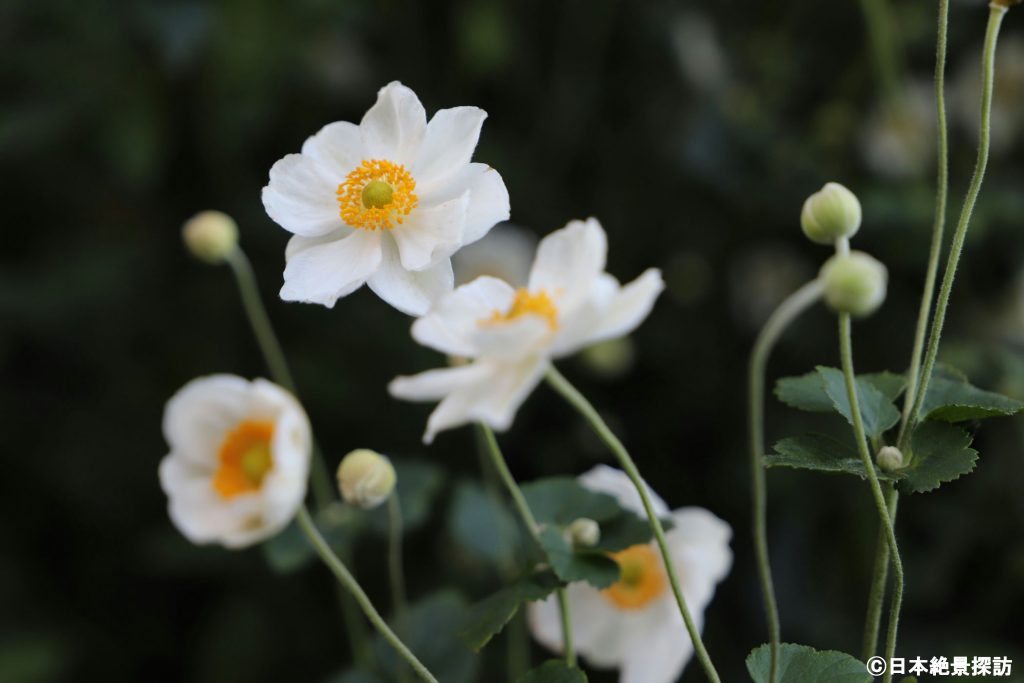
(694, 131)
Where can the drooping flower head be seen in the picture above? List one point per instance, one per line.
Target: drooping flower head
(239, 459)
(385, 203)
(635, 625)
(512, 335)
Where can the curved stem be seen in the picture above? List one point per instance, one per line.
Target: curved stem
(880, 576)
(274, 357)
(349, 582)
(996, 14)
(939, 226)
(498, 460)
(784, 315)
(580, 403)
(846, 355)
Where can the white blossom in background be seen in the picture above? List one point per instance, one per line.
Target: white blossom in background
(384, 203)
(898, 138)
(635, 625)
(506, 252)
(512, 335)
(965, 93)
(240, 452)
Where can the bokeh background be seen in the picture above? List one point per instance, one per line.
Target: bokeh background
(692, 130)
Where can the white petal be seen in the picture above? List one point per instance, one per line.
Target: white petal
(337, 148)
(448, 145)
(452, 324)
(699, 543)
(199, 415)
(509, 385)
(488, 198)
(323, 273)
(661, 647)
(436, 384)
(511, 339)
(629, 307)
(601, 630)
(568, 261)
(394, 127)
(412, 293)
(615, 482)
(300, 198)
(431, 233)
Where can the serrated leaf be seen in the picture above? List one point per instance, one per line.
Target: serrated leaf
(487, 618)
(561, 500)
(803, 664)
(626, 530)
(553, 671)
(950, 400)
(590, 565)
(430, 629)
(821, 454)
(940, 453)
(890, 384)
(807, 392)
(877, 411)
(482, 524)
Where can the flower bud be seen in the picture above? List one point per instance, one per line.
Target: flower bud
(831, 213)
(366, 478)
(583, 533)
(210, 236)
(889, 459)
(854, 283)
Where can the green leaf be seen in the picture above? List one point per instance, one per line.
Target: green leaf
(430, 629)
(562, 500)
(488, 617)
(821, 454)
(802, 664)
(940, 453)
(483, 525)
(625, 531)
(418, 485)
(554, 671)
(572, 564)
(807, 392)
(877, 411)
(951, 400)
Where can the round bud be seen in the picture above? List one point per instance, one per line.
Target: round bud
(831, 213)
(366, 478)
(210, 236)
(583, 533)
(889, 459)
(854, 283)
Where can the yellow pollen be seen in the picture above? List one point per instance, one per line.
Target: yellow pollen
(641, 578)
(525, 303)
(377, 195)
(245, 458)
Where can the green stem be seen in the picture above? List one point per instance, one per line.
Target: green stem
(274, 357)
(880, 576)
(846, 354)
(996, 14)
(883, 45)
(780, 320)
(349, 582)
(498, 460)
(939, 226)
(580, 403)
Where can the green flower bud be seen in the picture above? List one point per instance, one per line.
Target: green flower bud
(889, 459)
(831, 213)
(366, 478)
(583, 533)
(854, 283)
(210, 236)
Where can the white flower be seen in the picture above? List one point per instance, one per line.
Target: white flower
(512, 335)
(635, 624)
(506, 253)
(239, 459)
(386, 203)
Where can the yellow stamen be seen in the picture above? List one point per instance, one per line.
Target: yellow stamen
(641, 580)
(245, 458)
(527, 303)
(377, 195)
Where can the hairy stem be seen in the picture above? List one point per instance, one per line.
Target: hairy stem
(880, 576)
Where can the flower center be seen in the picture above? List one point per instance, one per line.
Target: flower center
(642, 578)
(377, 195)
(245, 458)
(526, 303)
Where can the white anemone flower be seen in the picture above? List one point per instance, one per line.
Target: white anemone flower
(635, 625)
(385, 202)
(239, 459)
(506, 252)
(512, 335)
